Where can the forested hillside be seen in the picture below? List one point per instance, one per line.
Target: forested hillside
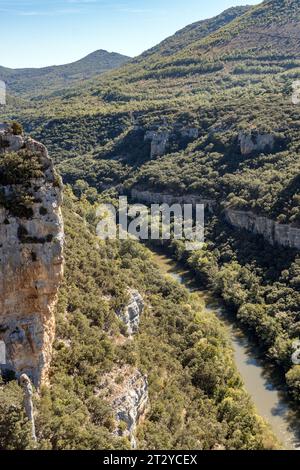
(196, 399)
(208, 112)
(38, 81)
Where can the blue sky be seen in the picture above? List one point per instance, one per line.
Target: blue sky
(36, 33)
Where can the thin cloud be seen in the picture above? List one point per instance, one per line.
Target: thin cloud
(67, 11)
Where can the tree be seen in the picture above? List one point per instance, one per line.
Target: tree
(15, 433)
(293, 381)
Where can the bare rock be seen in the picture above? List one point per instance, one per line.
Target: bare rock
(31, 268)
(251, 142)
(131, 314)
(159, 142)
(149, 197)
(28, 403)
(272, 231)
(190, 133)
(126, 391)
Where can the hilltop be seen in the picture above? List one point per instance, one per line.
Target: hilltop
(34, 81)
(195, 32)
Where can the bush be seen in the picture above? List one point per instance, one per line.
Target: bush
(17, 128)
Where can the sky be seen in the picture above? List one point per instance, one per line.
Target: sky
(37, 33)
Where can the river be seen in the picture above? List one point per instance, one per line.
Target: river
(266, 391)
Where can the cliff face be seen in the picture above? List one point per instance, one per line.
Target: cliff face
(273, 232)
(160, 139)
(149, 197)
(31, 254)
(159, 142)
(250, 143)
(130, 316)
(126, 390)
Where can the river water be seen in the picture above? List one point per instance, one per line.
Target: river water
(265, 389)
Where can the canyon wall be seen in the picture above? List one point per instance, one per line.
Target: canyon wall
(273, 232)
(31, 255)
(149, 197)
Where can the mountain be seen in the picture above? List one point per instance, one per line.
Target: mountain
(214, 118)
(34, 81)
(195, 31)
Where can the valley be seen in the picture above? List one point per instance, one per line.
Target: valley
(130, 350)
(266, 390)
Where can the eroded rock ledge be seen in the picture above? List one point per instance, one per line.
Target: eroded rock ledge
(273, 232)
(31, 255)
(149, 197)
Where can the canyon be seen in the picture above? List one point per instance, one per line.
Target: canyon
(273, 232)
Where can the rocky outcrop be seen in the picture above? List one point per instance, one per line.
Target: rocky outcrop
(131, 314)
(149, 197)
(273, 232)
(126, 391)
(160, 138)
(28, 403)
(2, 93)
(255, 142)
(191, 133)
(10, 142)
(31, 256)
(159, 142)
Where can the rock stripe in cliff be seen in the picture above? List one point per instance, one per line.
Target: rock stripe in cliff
(273, 232)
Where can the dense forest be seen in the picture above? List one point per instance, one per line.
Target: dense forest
(197, 398)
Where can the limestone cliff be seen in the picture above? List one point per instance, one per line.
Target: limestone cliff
(161, 138)
(255, 142)
(131, 314)
(273, 232)
(159, 142)
(31, 254)
(126, 390)
(149, 197)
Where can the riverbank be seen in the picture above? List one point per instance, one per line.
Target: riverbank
(267, 393)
